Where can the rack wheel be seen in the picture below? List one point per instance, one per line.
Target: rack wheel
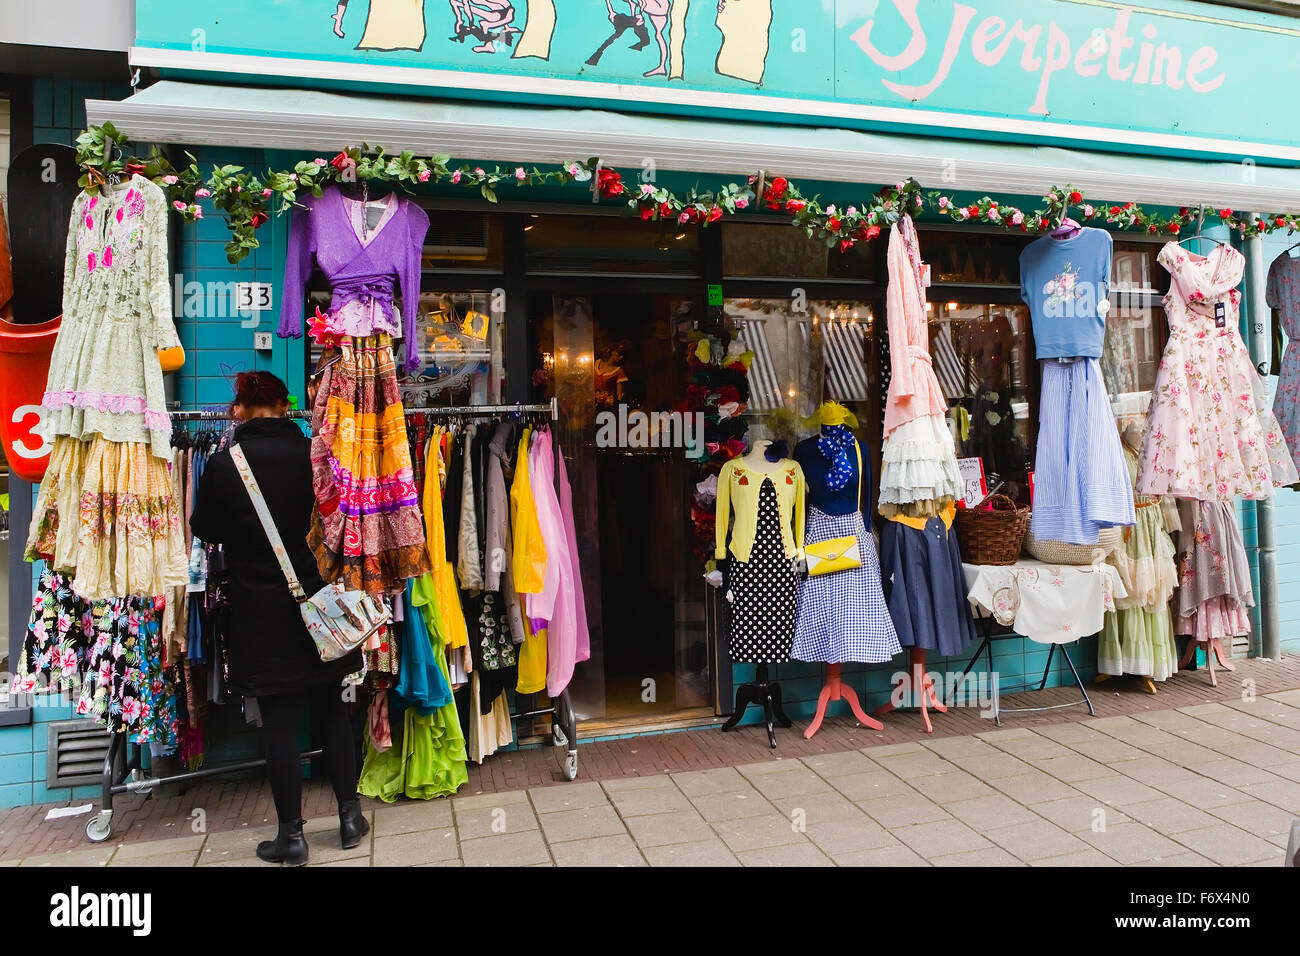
(100, 827)
(571, 766)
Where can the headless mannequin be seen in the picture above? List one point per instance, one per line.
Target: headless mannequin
(834, 688)
(763, 692)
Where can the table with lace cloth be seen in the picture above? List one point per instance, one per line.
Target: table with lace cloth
(1047, 603)
(1052, 604)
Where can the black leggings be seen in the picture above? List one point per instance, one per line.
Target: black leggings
(280, 722)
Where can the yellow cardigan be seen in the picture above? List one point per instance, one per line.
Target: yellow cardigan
(738, 488)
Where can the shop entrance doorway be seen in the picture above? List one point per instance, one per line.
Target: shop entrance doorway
(613, 357)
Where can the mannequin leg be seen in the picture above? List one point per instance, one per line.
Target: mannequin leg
(1217, 644)
(834, 688)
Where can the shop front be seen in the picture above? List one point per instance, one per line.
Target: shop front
(532, 292)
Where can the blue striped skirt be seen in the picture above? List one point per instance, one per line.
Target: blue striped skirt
(1081, 481)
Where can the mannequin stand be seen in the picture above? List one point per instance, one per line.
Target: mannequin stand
(835, 689)
(767, 694)
(1147, 683)
(926, 699)
(1212, 651)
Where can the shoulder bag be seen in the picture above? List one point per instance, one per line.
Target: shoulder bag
(339, 621)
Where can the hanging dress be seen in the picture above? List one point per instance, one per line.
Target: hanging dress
(1282, 292)
(1081, 484)
(105, 514)
(918, 459)
(1138, 637)
(368, 532)
(1210, 432)
(924, 585)
(1214, 584)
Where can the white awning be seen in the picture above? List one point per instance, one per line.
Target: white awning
(172, 111)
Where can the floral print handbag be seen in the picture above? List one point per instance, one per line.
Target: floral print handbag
(339, 621)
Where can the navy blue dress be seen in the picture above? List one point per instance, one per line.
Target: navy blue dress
(925, 588)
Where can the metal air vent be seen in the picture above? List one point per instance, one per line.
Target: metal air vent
(74, 753)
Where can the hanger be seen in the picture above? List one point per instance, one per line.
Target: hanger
(1066, 229)
(1200, 221)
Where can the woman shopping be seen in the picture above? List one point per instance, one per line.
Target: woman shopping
(269, 653)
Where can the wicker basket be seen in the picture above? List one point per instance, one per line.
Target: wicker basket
(1058, 552)
(992, 533)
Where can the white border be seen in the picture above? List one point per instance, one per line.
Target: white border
(432, 79)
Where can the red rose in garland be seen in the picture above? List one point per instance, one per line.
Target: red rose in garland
(609, 183)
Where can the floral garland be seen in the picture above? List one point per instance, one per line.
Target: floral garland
(248, 200)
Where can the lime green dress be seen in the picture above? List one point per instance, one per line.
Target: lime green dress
(430, 760)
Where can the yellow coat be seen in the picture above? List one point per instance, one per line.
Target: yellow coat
(442, 573)
(526, 533)
(738, 489)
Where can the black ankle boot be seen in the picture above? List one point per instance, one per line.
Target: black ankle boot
(289, 848)
(352, 824)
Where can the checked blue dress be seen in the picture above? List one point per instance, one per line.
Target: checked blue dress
(842, 615)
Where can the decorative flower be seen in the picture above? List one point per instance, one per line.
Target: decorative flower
(320, 162)
(943, 202)
(609, 183)
(1089, 211)
(344, 163)
(455, 177)
(178, 206)
(1076, 197)
(170, 180)
(424, 175)
(257, 219)
(742, 202)
(266, 193)
(795, 205)
(520, 174)
(205, 193)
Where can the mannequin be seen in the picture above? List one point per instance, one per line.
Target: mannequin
(765, 497)
(842, 614)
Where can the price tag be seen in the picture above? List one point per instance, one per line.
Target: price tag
(715, 293)
(974, 486)
(253, 296)
(1220, 315)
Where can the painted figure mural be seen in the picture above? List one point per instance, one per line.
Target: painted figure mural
(657, 25)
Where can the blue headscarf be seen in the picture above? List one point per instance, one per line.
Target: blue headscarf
(835, 443)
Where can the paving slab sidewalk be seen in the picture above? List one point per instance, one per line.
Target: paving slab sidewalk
(1108, 791)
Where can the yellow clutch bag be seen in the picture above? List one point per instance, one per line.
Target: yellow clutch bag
(837, 554)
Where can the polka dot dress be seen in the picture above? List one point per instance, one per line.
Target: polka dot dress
(762, 591)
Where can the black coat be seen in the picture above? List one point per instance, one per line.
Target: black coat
(268, 648)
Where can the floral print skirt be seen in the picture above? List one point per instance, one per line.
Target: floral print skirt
(106, 517)
(1210, 431)
(367, 531)
(108, 654)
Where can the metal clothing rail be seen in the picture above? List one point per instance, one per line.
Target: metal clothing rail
(464, 411)
(123, 770)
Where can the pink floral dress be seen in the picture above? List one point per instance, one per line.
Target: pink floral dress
(1283, 293)
(1210, 432)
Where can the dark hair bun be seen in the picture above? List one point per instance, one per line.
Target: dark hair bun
(260, 390)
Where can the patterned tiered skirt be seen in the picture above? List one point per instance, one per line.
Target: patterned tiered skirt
(367, 531)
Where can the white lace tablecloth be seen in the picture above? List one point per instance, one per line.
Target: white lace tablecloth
(1047, 603)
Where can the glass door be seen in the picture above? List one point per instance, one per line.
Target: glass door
(613, 360)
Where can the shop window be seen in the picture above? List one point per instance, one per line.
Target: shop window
(461, 343)
(964, 257)
(1136, 329)
(586, 245)
(982, 357)
(764, 251)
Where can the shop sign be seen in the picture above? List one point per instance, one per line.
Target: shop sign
(1021, 69)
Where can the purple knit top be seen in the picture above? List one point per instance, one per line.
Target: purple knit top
(361, 266)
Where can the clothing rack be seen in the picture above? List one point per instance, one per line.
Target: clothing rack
(123, 764)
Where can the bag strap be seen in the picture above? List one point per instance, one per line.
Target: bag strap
(268, 524)
(858, 448)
